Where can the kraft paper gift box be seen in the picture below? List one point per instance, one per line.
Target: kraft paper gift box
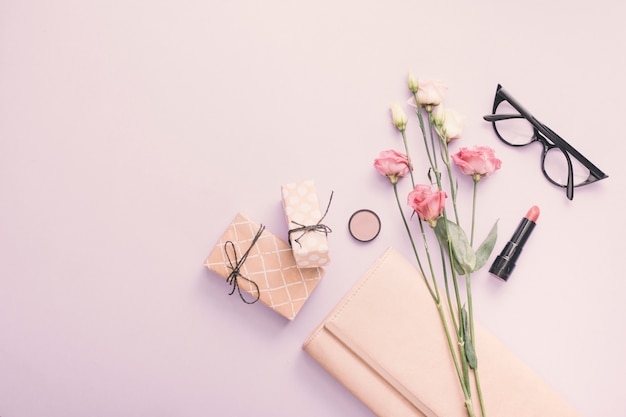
(385, 343)
(266, 266)
(307, 236)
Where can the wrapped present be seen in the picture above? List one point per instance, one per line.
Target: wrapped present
(260, 267)
(308, 236)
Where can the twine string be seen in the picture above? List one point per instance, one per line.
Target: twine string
(235, 267)
(317, 227)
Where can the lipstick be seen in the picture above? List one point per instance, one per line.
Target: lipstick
(505, 262)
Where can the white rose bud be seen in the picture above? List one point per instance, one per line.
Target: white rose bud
(413, 85)
(439, 116)
(448, 123)
(398, 117)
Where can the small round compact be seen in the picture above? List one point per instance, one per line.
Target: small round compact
(364, 225)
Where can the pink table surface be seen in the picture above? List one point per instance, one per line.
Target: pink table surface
(131, 132)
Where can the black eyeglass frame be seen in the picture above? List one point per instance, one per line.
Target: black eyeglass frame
(548, 138)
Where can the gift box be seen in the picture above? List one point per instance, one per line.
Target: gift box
(308, 236)
(261, 267)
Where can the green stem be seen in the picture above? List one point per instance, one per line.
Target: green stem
(479, 391)
(430, 128)
(470, 309)
(420, 118)
(470, 408)
(408, 157)
(457, 295)
(464, 387)
(430, 263)
(447, 286)
(445, 156)
(474, 209)
(434, 294)
(468, 282)
(470, 304)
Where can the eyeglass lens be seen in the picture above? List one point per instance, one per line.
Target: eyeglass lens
(517, 131)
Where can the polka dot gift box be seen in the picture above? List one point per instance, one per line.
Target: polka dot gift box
(308, 236)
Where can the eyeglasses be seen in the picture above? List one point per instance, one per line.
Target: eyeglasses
(522, 128)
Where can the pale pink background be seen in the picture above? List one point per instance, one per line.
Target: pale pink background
(131, 132)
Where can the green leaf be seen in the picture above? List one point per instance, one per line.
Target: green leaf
(485, 248)
(442, 237)
(463, 254)
(470, 352)
(461, 249)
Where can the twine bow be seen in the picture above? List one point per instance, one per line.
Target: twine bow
(317, 227)
(235, 266)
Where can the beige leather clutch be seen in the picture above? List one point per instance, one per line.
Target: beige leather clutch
(384, 342)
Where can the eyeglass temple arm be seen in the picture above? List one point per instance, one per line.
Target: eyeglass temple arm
(569, 188)
(498, 117)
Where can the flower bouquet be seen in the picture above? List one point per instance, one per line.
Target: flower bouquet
(438, 127)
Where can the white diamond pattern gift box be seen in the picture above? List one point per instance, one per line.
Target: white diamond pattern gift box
(256, 261)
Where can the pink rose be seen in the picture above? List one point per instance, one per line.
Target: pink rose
(477, 161)
(428, 204)
(392, 164)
